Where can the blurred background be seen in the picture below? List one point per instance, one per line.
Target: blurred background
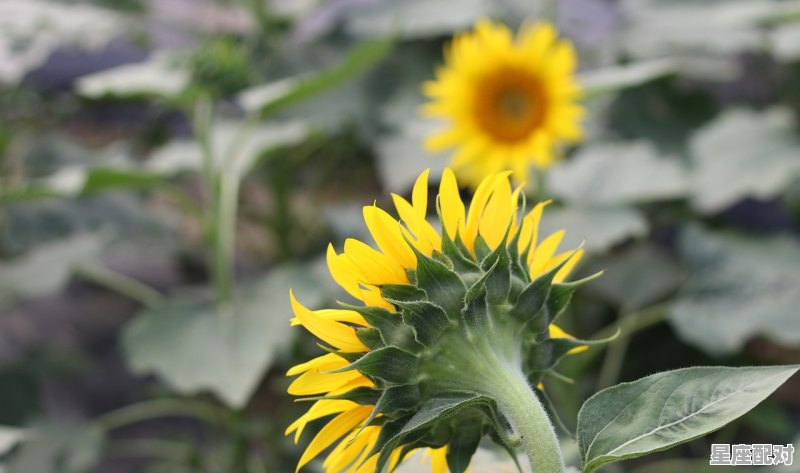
(169, 168)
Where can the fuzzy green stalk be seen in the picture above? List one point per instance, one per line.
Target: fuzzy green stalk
(488, 361)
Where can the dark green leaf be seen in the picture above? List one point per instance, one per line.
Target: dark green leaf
(666, 409)
(462, 446)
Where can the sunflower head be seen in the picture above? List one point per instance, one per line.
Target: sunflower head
(448, 323)
(509, 102)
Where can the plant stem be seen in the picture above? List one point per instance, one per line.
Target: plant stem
(225, 240)
(530, 424)
(148, 410)
(121, 283)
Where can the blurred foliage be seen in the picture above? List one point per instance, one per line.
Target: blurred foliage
(177, 165)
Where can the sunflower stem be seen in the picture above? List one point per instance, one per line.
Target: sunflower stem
(530, 425)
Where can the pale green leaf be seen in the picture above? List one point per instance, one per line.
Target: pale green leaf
(195, 348)
(666, 409)
(619, 173)
(740, 287)
(743, 154)
(47, 268)
(596, 228)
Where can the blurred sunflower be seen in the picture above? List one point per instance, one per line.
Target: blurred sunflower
(454, 328)
(509, 102)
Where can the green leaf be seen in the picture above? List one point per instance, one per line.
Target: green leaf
(194, 348)
(666, 409)
(9, 437)
(48, 267)
(67, 448)
(739, 287)
(611, 79)
(743, 154)
(599, 227)
(272, 97)
(619, 173)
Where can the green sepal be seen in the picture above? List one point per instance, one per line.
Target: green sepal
(462, 445)
(402, 293)
(391, 327)
(482, 249)
(395, 400)
(390, 364)
(360, 395)
(561, 293)
(427, 320)
(497, 266)
(550, 407)
(440, 284)
(459, 255)
(371, 337)
(475, 306)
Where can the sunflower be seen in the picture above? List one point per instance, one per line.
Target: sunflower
(453, 327)
(509, 102)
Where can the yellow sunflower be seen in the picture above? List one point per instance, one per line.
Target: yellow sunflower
(460, 318)
(509, 102)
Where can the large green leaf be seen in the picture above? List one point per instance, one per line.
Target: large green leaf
(67, 448)
(193, 348)
(48, 267)
(596, 228)
(666, 409)
(743, 154)
(739, 287)
(619, 173)
(681, 27)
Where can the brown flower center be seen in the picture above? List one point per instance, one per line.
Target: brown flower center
(510, 105)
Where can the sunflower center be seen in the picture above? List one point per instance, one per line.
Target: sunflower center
(511, 105)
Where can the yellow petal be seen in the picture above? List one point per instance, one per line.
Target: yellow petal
(318, 410)
(315, 382)
(419, 196)
(335, 334)
(333, 431)
(427, 238)
(451, 205)
(387, 234)
(372, 266)
(544, 252)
